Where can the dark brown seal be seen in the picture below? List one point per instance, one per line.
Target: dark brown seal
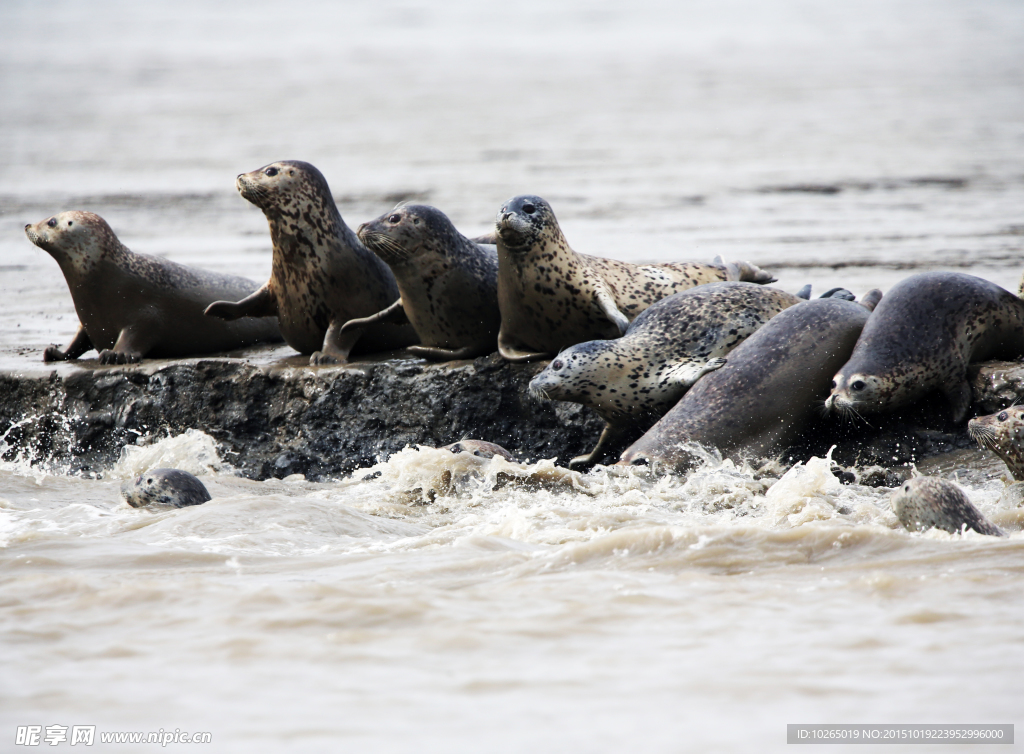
(772, 386)
(633, 380)
(130, 305)
(925, 502)
(448, 284)
(551, 298)
(322, 276)
(922, 337)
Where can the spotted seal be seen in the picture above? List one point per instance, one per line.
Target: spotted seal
(922, 337)
(166, 487)
(551, 297)
(448, 284)
(322, 276)
(925, 502)
(633, 380)
(130, 305)
(480, 449)
(770, 389)
(1003, 434)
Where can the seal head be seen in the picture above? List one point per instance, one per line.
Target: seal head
(1003, 434)
(172, 488)
(925, 502)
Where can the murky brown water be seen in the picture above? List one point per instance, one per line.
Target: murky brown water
(833, 144)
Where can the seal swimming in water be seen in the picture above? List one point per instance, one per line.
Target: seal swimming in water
(922, 337)
(551, 297)
(322, 276)
(479, 448)
(169, 487)
(448, 284)
(635, 379)
(772, 386)
(130, 305)
(1003, 434)
(925, 502)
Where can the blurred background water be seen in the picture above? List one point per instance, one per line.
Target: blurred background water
(836, 144)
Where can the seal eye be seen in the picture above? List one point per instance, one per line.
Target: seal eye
(1003, 416)
(270, 172)
(394, 219)
(70, 223)
(906, 488)
(858, 385)
(52, 222)
(833, 384)
(529, 209)
(557, 364)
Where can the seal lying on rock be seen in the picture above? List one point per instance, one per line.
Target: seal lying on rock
(132, 305)
(921, 338)
(322, 276)
(448, 284)
(925, 502)
(168, 487)
(551, 297)
(1003, 434)
(771, 387)
(635, 379)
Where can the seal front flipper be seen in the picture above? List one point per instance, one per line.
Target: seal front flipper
(609, 436)
(78, 345)
(510, 352)
(394, 313)
(606, 301)
(262, 303)
(337, 344)
(959, 396)
(133, 343)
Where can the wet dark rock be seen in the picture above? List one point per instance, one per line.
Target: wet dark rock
(282, 418)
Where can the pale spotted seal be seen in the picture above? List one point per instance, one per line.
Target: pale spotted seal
(633, 380)
(771, 387)
(322, 276)
(925, 502)
(1003, 434)
(130, 305)
(479, 448)
(448, 284)
(921, 338)
(165, 487)
(551, 297)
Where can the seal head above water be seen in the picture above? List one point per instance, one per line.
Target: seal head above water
(130, 305)
(164, 487)
(322, 276)
(551, 297)
(1003, 434)
(448, 284)
(923, 335)
(925, 502)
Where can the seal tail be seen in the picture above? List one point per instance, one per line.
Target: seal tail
(745, 272)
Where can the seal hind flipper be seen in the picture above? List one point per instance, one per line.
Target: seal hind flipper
(805, 292)
(487, 239)
(78, 345)
(744, 272)
(870, 299)
(260, 303)
(449, 354)
(842, 293)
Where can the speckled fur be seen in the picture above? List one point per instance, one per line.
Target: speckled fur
(549, 294)
(922, 336)
(925, 502)
(479, 448)
(164, 487)
(448, 284)
(772, 385)
(641, 375)
(321, 275)
(131, 305)
(1003, 434)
